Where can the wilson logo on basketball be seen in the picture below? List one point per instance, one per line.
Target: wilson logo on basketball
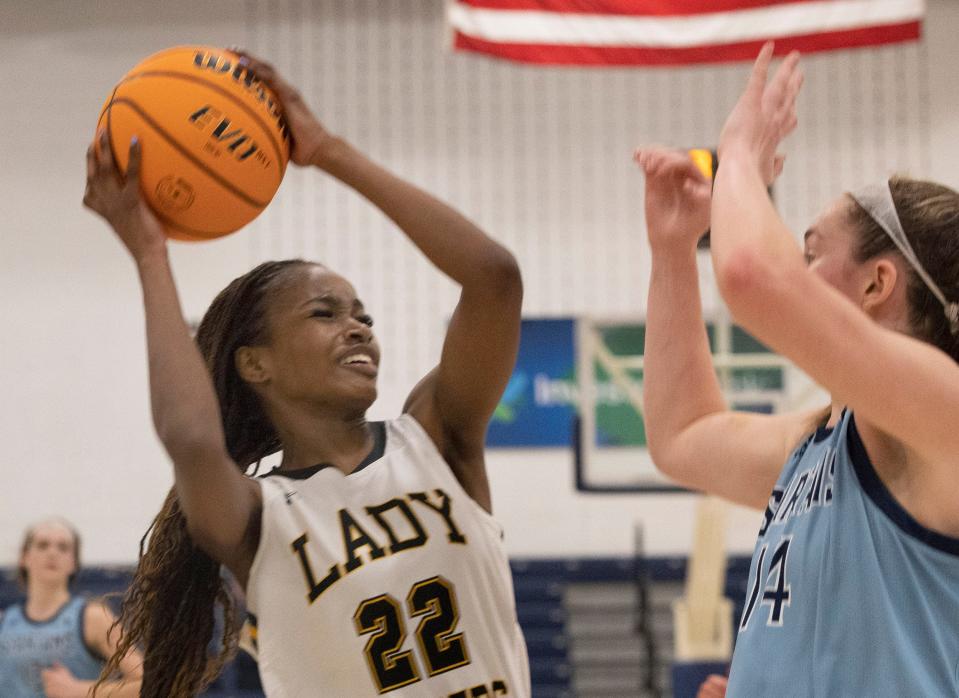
(225, 135)
(242, 76)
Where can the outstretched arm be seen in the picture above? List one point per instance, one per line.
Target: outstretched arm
(693, 437)
(455, 401)
(218, 500)
(906, 388)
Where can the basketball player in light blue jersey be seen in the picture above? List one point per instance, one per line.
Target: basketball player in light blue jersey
(54, 644)
(854, 584)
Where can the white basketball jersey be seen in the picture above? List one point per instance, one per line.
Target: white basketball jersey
(388, 580)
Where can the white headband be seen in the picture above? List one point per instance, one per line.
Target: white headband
(877, 201)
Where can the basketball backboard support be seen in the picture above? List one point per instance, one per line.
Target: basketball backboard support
(610, 439)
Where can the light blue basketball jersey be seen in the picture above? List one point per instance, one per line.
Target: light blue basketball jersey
(848, 594)
(27, 647)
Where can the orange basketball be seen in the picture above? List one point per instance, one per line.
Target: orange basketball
(213, 139)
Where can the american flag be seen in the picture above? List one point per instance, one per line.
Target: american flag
(674, 32)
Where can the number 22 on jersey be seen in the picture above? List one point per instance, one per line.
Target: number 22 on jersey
(441, 649)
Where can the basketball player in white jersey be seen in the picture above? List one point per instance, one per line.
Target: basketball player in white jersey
(369, 556)
(854, 583)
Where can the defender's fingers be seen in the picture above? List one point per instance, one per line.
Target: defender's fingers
(680, 163)
(649, 153)
(785, 113)
(644, 158)
(760, 72)
(642, 154)
(777, 93)
(795, 85)
(674, 163)
(699, 190)
(692, 170)
(786, 95)
(778, 164)
(791, 123)
(787, 68)
(659, 163)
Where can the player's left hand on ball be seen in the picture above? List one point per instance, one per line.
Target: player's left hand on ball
(309, 137)
(118, 199)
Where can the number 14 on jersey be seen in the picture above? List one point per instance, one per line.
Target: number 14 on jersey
(776, 592)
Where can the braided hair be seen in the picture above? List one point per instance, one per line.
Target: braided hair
(170, 609)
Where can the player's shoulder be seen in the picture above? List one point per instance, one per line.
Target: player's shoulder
(96, 612)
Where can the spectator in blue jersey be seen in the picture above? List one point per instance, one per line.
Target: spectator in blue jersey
(854, 583)
(54, 644)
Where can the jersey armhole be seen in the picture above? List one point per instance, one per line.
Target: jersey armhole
(268, 492)
(485, 515)
(81, 626)
(877, 492)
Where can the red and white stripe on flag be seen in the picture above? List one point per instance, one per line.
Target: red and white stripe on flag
(674, 32)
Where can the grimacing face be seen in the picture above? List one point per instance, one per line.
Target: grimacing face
(50, 556)
(321, 349)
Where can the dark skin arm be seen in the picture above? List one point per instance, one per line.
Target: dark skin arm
(455, 401)
(218, 500)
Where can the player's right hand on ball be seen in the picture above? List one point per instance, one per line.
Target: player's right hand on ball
(117, 198)
(677, 197)
(309, 137)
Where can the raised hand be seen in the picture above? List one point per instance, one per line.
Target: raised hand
(118, 199)
(309, 137)
(677, 197)
(764, 115)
